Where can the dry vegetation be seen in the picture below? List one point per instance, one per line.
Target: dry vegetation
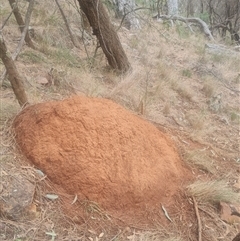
(175, 83)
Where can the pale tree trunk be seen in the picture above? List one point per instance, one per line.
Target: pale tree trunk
(172, 7)
(105, 33)
(126, 8)
(20, 22)
(13, 75)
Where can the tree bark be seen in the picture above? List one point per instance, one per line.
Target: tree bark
(20, 22)
(105, 33)
(13, 75)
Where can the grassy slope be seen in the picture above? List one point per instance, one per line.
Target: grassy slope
(175, 83)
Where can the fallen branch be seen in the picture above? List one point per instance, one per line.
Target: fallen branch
(221, 49)
(198, 220)
(197, 21)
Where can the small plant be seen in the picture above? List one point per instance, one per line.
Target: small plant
(65, 56)
(235, 117)
(213, 192)
(218, 58)
(184, 92)
(44, 46)
(166, 109)
(196, 122)
(196, 119)
(52, 20)
(200, 50)
(32, 57)
(163, 72)
(187, 73)
(204, 16)
(182, 31)
(208, 89)
(134, 42)
(167, 24)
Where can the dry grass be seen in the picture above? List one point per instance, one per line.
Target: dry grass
(200, 159)
(213, 192)
(184, 93)
(208, 88)
(151, 236)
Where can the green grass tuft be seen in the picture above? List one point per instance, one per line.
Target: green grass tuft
(32, 57)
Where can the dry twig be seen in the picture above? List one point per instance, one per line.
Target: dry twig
(166, 214)
(198, 219)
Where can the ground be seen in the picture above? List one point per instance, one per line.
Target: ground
(176, 84)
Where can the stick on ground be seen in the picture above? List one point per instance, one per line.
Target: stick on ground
(198, 219)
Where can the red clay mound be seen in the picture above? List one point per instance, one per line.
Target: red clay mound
(96, 149)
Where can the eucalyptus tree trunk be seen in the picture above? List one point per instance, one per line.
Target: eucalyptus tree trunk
(105, 33)
(172, 7)
(13, 75)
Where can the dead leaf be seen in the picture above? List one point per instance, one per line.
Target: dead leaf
(51, 196)
(75, 199)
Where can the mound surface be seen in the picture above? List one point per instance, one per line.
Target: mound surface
(102, 152)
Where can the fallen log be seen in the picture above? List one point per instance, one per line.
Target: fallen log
(203, 26)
